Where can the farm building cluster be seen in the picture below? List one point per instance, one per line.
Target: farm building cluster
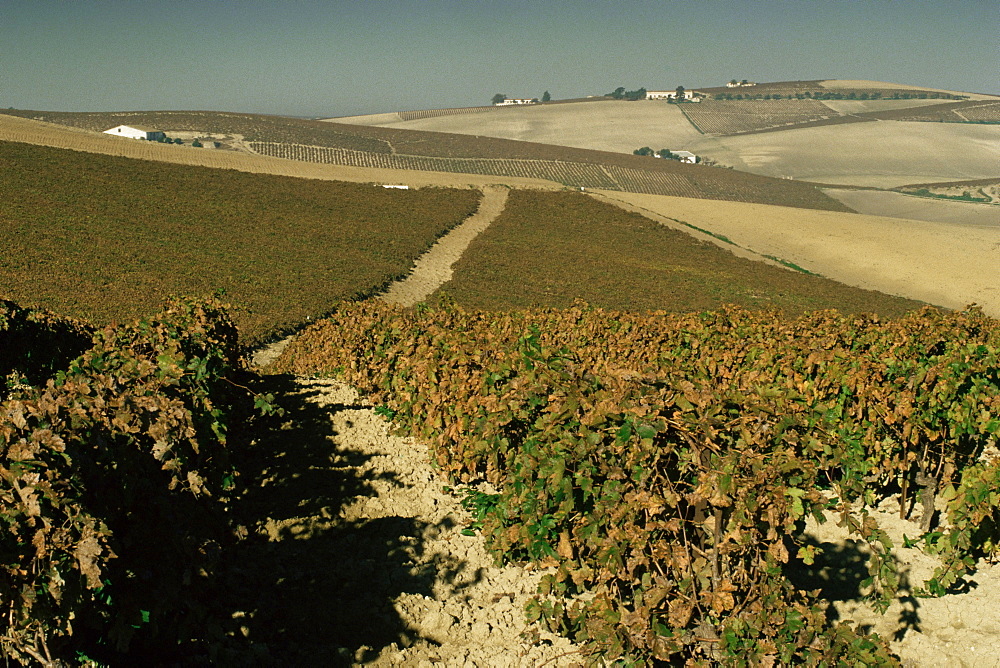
(136, 132)
(686, 95)
(515, 100)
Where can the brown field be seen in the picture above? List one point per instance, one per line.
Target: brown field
(900, 205)
(548, 249)
(727, 117)
(108, 238)
(937, 263)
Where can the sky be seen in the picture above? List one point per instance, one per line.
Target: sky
(337, 58)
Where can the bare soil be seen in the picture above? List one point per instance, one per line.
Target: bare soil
(357, 554)
(960, 630)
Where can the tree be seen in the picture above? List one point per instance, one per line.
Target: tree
(546, 97)
(498, 98)
(666, 154)
(679, 94)
(645, 150)
(618, 93)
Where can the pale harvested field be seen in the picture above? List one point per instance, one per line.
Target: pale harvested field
(898, 205)
(607, 126)
(865, 106)
(46, 134)
(883, 154)
(938, 263)
(864, 83)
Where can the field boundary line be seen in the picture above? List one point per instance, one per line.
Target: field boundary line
(699, 233)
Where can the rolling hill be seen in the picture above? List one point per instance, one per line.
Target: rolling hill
(873, 134)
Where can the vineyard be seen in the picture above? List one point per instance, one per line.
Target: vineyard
(728, 117)
(967, 112)
(108, 239)
(530, 257)
(251, 127)
(980, 113)
(432, 113)
(567, 173)
(115, 478)
(660, 179)
(947, 112)
(664, 466)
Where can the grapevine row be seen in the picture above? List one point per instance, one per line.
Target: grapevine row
(663, 463)
(576, 174)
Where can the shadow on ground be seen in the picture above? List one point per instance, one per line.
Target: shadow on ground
(838, 573)
(299, 585)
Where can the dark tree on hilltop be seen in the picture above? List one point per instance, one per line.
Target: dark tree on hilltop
(546, 97)
(498, 98)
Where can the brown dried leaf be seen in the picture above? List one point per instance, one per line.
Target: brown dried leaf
(87, 553)
(565, 547)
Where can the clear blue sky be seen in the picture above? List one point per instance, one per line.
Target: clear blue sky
(336, 58)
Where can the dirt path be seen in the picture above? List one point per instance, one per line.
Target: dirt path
(433, 268)
(430, 271)
(417, 591)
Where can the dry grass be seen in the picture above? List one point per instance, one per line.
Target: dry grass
(942, 264)
(608, 125)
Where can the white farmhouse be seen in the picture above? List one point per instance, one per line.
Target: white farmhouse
(135, 132)
(515, 100)
(689, 95)
(685, 156)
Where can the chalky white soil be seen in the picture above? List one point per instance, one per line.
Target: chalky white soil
(466, 611)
